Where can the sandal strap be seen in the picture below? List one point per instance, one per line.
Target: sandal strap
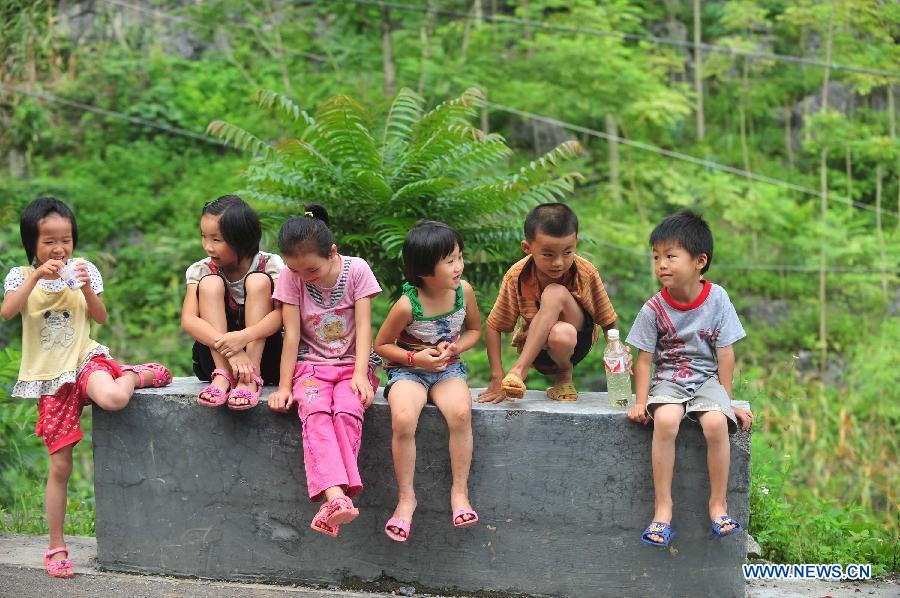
(51, 551)
(224, 373)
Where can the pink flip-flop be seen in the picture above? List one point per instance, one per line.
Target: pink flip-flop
(217, 396)
(466, 522)
(401, 525)
(340, 511)
(319, 524)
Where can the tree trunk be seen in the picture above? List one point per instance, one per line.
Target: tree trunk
(613, 149)
(788, 136)
(742, 115)
(823, 190)
(426, 46)
(527, 33)
(879, 178)
(387, 52)
(698, 73)
(892, 123)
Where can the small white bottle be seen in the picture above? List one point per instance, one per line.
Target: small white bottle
(618, 381)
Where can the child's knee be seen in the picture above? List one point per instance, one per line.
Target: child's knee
(113, 398)
(715, 425)
(61, 465)
(554, 295)
(258, 285)
(667, 420)
(211, 286)
(563, 337)
(459, 418)
(404, 422)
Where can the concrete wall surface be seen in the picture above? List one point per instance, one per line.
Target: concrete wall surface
(563, 491)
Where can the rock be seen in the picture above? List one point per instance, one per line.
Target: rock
(754, 551)
(407, 590)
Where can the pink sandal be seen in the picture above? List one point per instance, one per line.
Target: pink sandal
(460, 514)
(401, 525)
(216, 397)
(63, 568)
(252, 397)
(162, 376)
(320, 524)
(340, 511)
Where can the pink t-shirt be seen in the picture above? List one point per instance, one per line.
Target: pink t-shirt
(328, 331)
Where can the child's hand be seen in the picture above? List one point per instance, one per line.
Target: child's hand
(744, 417)
(362, 388)
(448, 350)
(242, 367)
(430, 359)
(83, 276)
(638, 413)
(49, 269)
(493, 393)
(281, 400)
(230, 343)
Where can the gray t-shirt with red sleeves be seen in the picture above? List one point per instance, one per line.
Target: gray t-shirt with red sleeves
(683, 338)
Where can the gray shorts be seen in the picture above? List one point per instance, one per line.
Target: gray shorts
(711, 396)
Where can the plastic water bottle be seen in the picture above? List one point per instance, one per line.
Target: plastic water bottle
(618, 381)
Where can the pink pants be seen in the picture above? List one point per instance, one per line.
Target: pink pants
(332, 417)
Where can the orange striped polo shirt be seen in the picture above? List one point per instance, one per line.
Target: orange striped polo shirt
(520, 296)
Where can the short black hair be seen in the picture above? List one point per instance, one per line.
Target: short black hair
(238, 224)
(427, 243)
(308, 233)
(690, 231)
(553, 219)
(30, 222)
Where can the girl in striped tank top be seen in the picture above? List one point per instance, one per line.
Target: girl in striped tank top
(421, 339)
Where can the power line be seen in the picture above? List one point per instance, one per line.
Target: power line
(686, 158)
(183, 18)
(189, 134)
(751, 267)
(49, 97)
(663, 41)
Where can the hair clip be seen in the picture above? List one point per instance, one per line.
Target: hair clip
(309, 214)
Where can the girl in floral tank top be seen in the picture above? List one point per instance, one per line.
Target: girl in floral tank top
(421, 339)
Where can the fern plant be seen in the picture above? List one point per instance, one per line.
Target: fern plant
(378, 175)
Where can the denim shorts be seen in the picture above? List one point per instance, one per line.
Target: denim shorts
(424, 377)
(710, 396)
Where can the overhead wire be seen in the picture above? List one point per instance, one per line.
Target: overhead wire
(503, 19)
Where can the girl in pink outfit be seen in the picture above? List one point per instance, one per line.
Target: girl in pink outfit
(327, 364)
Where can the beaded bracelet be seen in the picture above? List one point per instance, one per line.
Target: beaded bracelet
(410, 358)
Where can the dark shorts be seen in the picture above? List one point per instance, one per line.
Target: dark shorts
(270, 365)
(545, 365)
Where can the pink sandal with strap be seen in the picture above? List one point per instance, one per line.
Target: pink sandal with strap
(63, 568)
(320, 525)
(215, 396)
(340, 511)
(243, 393)
(162, 376)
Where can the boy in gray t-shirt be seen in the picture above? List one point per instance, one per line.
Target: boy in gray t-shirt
(687, 330)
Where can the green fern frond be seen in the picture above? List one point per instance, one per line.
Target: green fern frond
(405, 110)
(238, 138)
(458, 111)
(423, 189)
(305, 156)
(468, 159)
(373, 185)
(298, 120)
(343, 135)
(542, 168)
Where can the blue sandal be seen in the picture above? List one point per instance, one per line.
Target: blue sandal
(719, 522)
(659, 528)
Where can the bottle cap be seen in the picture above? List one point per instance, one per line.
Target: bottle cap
(612, 334)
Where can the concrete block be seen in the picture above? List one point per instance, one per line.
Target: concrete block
(563, 491)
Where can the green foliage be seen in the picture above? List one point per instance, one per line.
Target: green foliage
(378, 175)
